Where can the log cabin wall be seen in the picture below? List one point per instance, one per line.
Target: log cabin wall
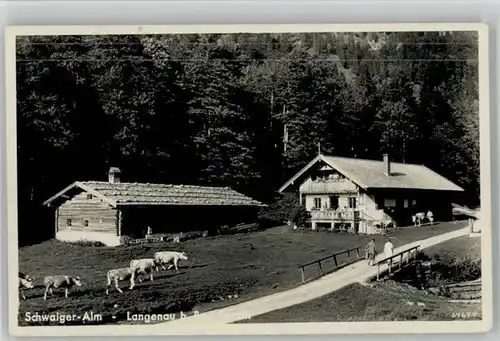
(87, 213)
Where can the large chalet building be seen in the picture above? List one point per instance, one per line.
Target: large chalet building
(361, 196)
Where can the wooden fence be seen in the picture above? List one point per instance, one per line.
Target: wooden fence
(401, 255)
(464, 291)
(355, 257)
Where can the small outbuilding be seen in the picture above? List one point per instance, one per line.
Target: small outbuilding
(107, 211)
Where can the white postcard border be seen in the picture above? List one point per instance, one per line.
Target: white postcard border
(264, 328)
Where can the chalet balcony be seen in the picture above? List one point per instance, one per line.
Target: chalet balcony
(336, 215)
(328, 187)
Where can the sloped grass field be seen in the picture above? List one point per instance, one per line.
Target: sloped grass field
(385, 301)
(220, 268)
(460, 247)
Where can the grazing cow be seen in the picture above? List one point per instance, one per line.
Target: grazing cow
(25, 282)
(418, 219)
(142, 266)
(169, 257)
(66, 282)
(117, 275)
(430, 217)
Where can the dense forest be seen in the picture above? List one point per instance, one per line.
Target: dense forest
(240, 110)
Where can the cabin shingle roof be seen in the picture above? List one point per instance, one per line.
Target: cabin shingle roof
(123, 193)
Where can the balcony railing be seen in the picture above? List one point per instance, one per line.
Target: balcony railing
(335, 215)
(328, 186)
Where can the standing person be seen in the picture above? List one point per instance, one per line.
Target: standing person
(388, 248)
(430, 217)
(371, 251)
(471, 225)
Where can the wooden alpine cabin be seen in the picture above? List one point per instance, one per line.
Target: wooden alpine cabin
(363, 196)
(106, 211)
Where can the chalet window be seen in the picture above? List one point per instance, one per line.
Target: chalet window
(405, 203)
(317, 203)
(334, 202)
(389, 203)
(68, 222)
(89, 196)
(352, 202)
(414, 202)
(85, 222)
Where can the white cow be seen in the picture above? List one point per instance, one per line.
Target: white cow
(116, 275)
(169, 257)
(418, 218)
(142, 266)
(25, 283)
(66, 282)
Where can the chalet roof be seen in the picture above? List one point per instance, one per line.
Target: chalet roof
(371, 174)
(122, 193)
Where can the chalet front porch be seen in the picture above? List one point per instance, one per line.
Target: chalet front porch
(352, 221)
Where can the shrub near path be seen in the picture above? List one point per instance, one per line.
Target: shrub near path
(245, 265)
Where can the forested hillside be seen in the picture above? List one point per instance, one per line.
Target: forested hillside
(241, 110)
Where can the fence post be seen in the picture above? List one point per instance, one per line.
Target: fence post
(349, 255)
(302, 272)
(378, 271)
(320, 268)
(401, 261)
(335, 260)
(357, 252)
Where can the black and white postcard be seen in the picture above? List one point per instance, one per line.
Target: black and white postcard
(245, 179)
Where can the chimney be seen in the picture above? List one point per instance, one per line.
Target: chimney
(387, 165)
(114, 175)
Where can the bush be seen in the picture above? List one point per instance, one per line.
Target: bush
(183, 236)
(300, 216)
(124, 240)
(422, 256)
(468, 270)
(458, 269)
(448, 258)
(280, 210)
(447, 269)
(88, 243)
